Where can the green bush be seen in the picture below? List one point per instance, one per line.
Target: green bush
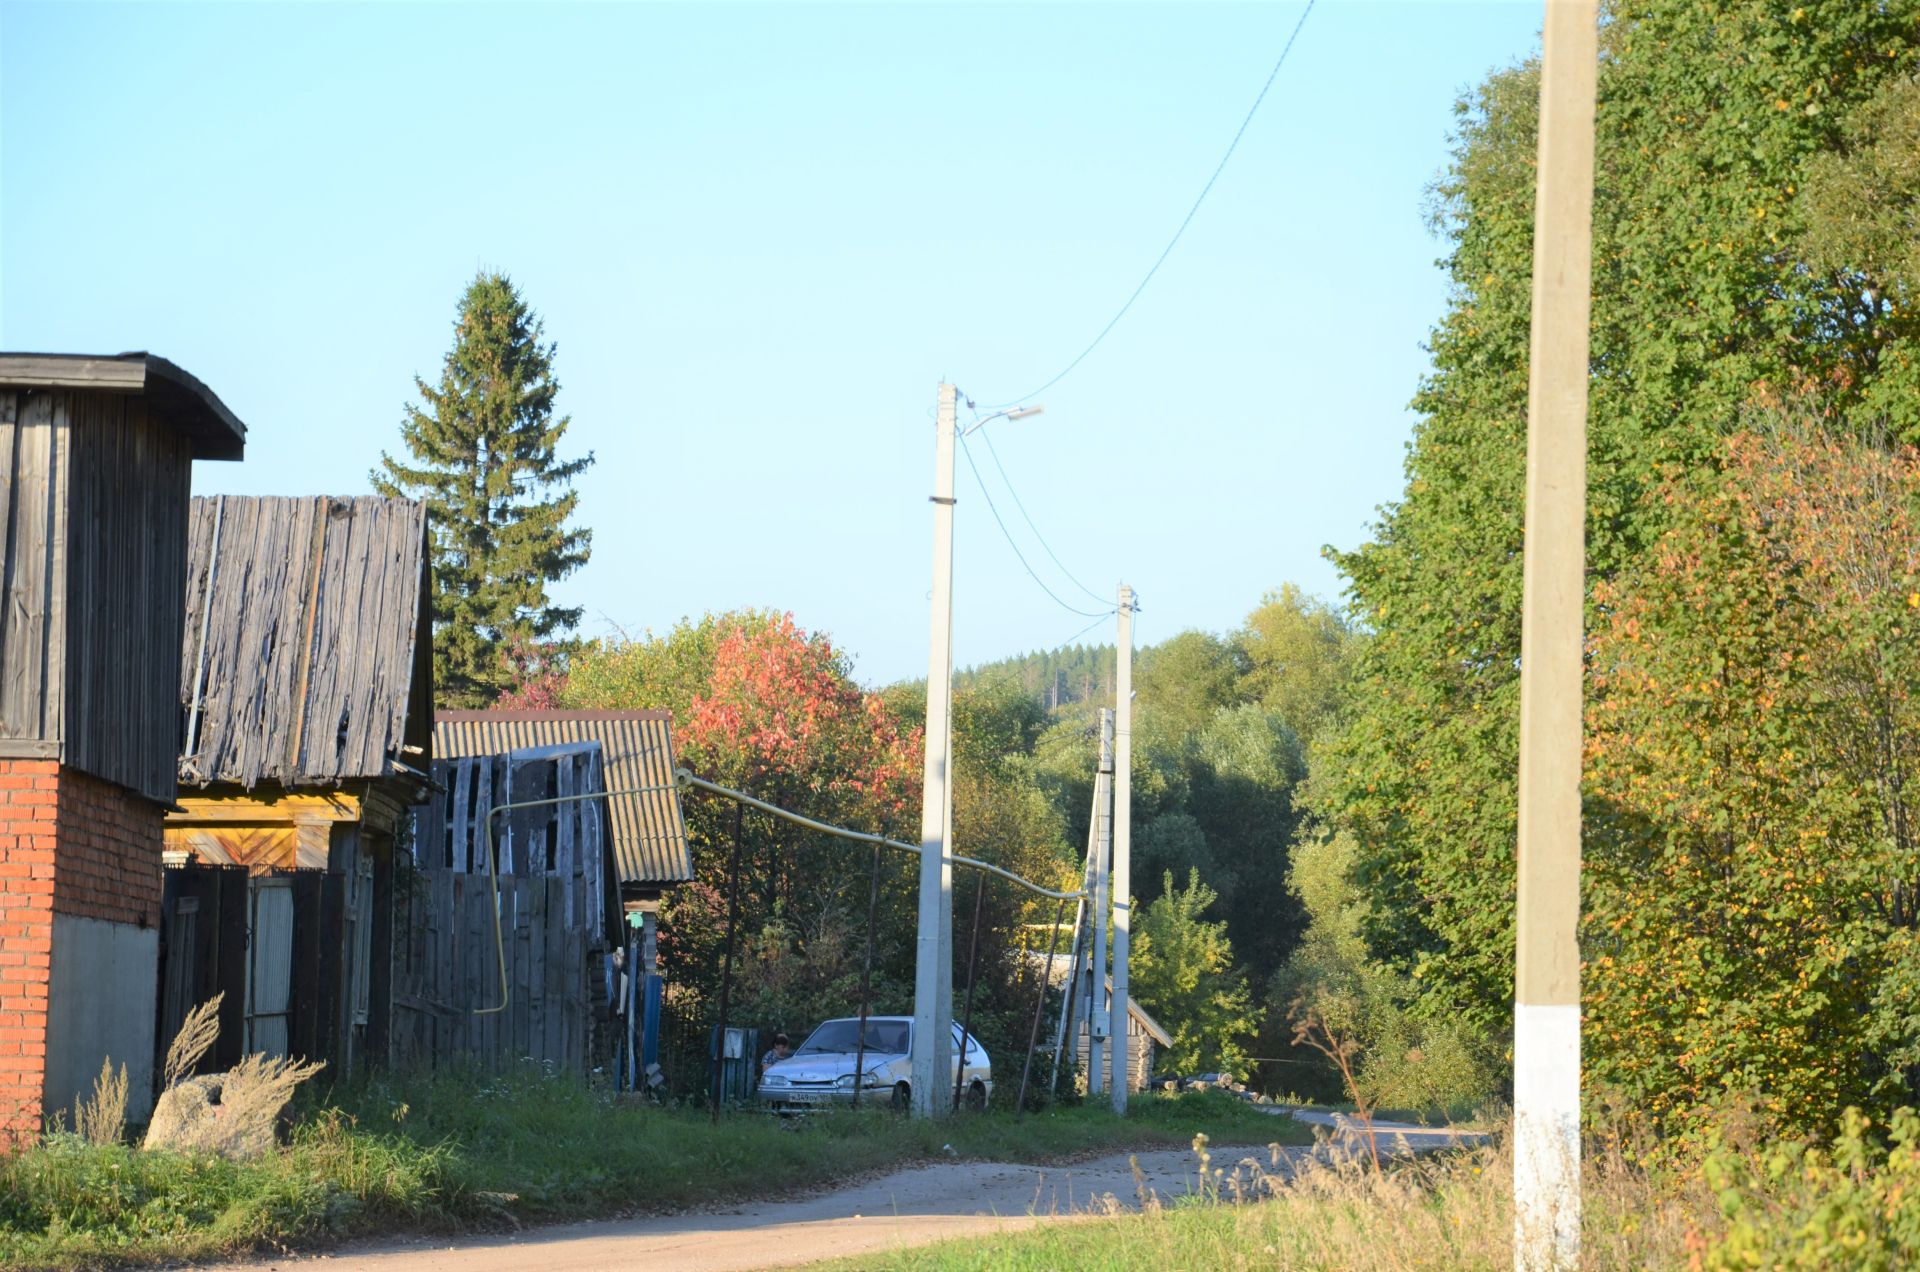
(1797, 1205)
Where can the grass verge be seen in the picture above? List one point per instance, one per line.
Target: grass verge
(461, 1152)
(1852, 1202)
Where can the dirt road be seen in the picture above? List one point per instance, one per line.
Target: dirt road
(907, 1207)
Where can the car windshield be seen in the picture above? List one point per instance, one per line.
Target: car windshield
(886, 1036)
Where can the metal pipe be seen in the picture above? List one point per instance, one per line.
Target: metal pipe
(726, 970)
(866, 984)
(1039, 1007)
(966, 1019)
(685, 778)
(1071, 997)
(861, 836)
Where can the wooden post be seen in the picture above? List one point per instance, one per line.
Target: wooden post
(1546, 1103)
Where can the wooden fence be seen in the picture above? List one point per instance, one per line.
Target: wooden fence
(446, 969)
(553, 904)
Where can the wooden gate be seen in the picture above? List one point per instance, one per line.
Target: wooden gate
(551, 908)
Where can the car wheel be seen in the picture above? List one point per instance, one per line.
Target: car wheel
(902, 1098)
(977, 1098)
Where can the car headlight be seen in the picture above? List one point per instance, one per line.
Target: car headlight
(845, 1080)
(774, 1079)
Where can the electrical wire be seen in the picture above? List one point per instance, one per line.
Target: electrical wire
(1018, 555)
(1188, 220)
(1008, 481)
(1084, 630)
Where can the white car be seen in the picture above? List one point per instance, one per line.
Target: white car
(822, 1073)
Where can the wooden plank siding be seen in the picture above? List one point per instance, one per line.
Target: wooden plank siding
(93, 497)
(555, 907)
(126, 570)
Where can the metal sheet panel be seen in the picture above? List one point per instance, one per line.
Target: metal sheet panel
(649, 832)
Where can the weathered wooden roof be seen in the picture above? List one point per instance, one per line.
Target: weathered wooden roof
(307, 658)
(649, 834)
(180, 400)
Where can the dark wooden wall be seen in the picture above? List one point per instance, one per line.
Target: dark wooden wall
(32, 624)
(126, 592)
(93, 506)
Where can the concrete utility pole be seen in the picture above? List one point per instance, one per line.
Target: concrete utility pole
(1122, 847)
(1546, 1013)
(932, 1051)
(1097, 948)
(1072, 1003)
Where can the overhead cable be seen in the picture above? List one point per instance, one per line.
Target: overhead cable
(1008, 482)
(1188, 220)
(1005, 533)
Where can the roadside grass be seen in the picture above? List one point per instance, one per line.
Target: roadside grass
(1745, 1201)
(1448, 1209)
(463, 1151)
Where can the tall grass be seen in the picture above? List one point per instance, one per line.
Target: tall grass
(1853, 1203)
(1451, 1209)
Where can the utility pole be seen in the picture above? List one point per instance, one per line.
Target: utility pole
(1097, 948)
(1546, 1012)
(1119, 1025)
(1070, 1012)
(932, 1047)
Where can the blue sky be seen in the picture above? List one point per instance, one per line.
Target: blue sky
(761, 235)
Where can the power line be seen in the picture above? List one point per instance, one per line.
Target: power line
(1018, 555)
(1188, 220)
(995, 455)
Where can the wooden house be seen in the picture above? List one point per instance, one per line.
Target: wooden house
(304, 697)
(95, 456)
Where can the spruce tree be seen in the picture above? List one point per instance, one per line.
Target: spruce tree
(482, 455)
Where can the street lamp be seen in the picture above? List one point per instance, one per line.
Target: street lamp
(933, 947)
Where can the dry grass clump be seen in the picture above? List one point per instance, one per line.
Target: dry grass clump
(198, 1032)
(102, 1118)
(235, 1114)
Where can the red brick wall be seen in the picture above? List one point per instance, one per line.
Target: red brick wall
(69, 844)
(29, 811)
(110, 842)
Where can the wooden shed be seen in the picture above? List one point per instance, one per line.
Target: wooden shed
(546, 884)
(304, 690)
(95, 456)
(1144, 1033)
(646, 835)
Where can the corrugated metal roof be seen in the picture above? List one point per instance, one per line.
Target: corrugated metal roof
(305, 659)
(649, 833)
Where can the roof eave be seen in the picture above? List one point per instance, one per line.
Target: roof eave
(183, 401)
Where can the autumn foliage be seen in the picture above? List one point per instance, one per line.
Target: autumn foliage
(779, 708)
(1750, 872)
